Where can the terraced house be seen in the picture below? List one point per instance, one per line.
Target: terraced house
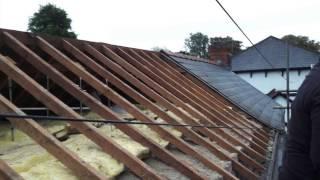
(160, 115)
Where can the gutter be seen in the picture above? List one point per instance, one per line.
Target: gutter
(277, 156)
(272, 163)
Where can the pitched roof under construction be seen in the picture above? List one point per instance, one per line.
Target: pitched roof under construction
(235, 89)
(138, 81)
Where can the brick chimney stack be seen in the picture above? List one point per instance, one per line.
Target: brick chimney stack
(220, 56)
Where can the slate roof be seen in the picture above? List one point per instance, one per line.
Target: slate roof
(235, 89)
(275, 50)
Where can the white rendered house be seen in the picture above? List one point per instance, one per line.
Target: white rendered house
(269, 74)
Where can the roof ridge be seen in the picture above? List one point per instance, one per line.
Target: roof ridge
(190, 57)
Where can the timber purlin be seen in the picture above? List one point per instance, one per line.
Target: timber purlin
(136, 76)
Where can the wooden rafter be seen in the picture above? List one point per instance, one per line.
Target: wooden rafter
(7, 173)
(192, 99)
(184, 147)
(209, 133)
(40, 135)
(145, 89)
(203, 89)
(259, 135)
(57, 106)
(173, 79)
(158, 151)
(183, 93)
(212, 104)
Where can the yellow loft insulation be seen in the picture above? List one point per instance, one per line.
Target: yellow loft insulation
(32, 161)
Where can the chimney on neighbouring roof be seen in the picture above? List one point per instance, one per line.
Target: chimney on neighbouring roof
(220, 56)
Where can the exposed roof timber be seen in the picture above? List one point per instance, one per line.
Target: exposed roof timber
(157, 150)
(175, 98)
(54, 104)
(196, 138)
(29, 40)
(211, 134)
(200, 88)
(144, 88)
(212, 91)
(167, 159)
(142, 76)
(201, 104)
(6, 172)
(179, 80)
(193, 78)
(143, 101)
(47, 141)
(213, 102)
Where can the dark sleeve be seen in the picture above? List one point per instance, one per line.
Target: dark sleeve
(315, 134)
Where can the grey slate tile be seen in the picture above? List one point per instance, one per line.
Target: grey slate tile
(275, 51)
(236, 90)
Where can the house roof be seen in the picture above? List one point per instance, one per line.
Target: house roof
(148, 88)
(275, 51)
(235, 89)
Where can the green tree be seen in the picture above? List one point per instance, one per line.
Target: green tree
(158, 48)
(226, 42)
(51, 20)
(197, 44)
(303, 42)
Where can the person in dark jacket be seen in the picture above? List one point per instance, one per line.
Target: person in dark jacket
(302, 154)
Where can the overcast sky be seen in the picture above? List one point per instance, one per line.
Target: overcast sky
(166, 23)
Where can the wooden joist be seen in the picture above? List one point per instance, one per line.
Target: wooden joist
(183, 93)
(211, 134)
(57, 106)
(158, 85)
(157, 150)
(149, 92)
(7, 173)
(194, 94)
(183, 146)
(40, 135)
(195, 100)
(214, 103)
(203, 88)
(213, 113)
